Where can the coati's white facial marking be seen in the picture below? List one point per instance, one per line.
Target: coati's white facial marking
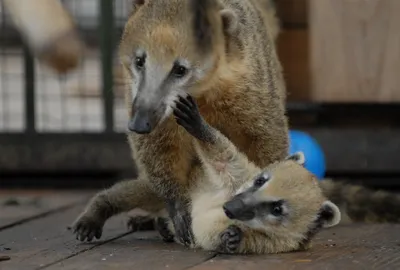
(138, 56)
(255, 224)
(134, 88)
(244, 187)
(170, 102)
(260, 182)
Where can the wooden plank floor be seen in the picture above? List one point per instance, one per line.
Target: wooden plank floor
(34, 235)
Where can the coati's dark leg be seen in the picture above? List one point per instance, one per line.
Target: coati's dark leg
(181, 218)
(148, 223)
(122, 197)
(141, 223)
(161, 225)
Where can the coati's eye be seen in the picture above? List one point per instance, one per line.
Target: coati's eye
(261, 180)
(276, 208)
(179, 71)
(139, 62)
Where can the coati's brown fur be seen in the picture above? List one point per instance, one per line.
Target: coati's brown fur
(227, 50)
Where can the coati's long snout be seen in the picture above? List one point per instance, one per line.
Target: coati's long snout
(164, 58)
(238, 209)
(151, 107)
(143, 120)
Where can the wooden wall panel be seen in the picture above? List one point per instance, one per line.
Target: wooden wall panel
(293, 12)
(293, 47)
(294, 54)
(355, 50)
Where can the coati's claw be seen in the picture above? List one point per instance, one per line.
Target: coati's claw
(188, 116)
(86, 228)
(183, 228)
(161, 226)
(140, 223)
(182, 222)
(230, 239)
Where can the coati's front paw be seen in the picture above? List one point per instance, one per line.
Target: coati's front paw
(230, 239)
(86, 228)
(140, 223)
(188, 116)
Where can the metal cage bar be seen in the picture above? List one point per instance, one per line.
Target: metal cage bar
(106, 22)
(30, 112)
(374, 148)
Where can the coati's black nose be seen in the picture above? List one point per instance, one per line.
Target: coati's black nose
(140, 127)
(140, 123)
(233, 208)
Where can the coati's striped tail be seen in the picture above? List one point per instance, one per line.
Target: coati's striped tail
(362, 204)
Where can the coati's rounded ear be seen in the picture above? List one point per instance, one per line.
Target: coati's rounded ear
(298, 157)
(329, 214)
(230, 20)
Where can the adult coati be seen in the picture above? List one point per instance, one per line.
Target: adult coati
(237, 207)
(222, 52)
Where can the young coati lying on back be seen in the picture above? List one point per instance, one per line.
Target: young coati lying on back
(236, 207)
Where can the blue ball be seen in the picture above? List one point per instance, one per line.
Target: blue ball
(315, 159)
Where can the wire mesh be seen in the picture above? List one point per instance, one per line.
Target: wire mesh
(70, 103)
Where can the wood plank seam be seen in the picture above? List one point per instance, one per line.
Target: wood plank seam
(83, 251)
(41, 215)
(213, 256)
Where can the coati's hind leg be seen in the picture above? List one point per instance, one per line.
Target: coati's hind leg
(149, 223)
(122, 197)
(161, 225)
(180, 216)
